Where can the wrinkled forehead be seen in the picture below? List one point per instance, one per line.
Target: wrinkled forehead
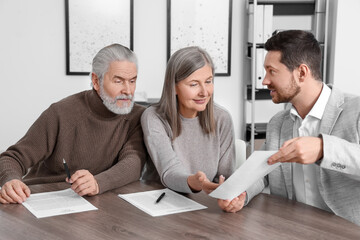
(124, 69)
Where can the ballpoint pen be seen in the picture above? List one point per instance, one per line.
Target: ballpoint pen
(160, 197)
(66, 169)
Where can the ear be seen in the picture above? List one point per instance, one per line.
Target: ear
(176, 90)
(95, 81)
(304, 72)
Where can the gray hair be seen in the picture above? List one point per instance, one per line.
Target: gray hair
(109, 54)
(181, 65)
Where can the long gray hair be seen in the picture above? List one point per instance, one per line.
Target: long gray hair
(109, 54)
(181, 65)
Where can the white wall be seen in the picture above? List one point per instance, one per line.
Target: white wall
(344, 68)
(32, 62)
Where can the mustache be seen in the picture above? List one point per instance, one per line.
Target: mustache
(120, 97)
(123, 97)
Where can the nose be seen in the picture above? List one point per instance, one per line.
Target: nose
(126, 88)
(203, 91)
(266, 80)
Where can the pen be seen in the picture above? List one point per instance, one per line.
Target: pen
(66, 169)
(160, 197)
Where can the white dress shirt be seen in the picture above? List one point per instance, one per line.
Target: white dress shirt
(305, 175)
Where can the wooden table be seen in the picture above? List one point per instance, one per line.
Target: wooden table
(266, 217)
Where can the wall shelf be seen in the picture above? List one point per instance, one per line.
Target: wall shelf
(260, 131)
(260, 94)
(257, 35)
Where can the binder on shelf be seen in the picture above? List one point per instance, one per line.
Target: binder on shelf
(259, 68)
(260, 131)
(259, 38)
(268, 21)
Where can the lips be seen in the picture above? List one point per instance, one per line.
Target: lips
(200, 101)
(272, 91)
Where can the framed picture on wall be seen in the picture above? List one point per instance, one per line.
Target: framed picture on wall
(203, 23)
(92, 25)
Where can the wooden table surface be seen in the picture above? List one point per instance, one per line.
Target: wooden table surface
(266, 217)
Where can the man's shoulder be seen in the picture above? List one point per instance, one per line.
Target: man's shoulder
(279, 117)
(346, 101)
(351, 100)
(77, 98)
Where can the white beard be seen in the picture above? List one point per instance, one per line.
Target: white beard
(110, 103)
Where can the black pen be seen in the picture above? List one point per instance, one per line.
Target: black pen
(66, 169)
(160, 197)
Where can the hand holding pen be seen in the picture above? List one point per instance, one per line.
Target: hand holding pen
(82, 181)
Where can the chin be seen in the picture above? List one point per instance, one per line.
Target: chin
(201, 109)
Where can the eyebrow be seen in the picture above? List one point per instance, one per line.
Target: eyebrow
(121, 78)
(269, 66)
(197, 80)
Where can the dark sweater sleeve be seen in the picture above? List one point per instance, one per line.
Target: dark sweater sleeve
(130, 162)
(36, 145)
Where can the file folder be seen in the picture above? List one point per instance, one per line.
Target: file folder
(259, 68)
(268, 21)
(259, 38)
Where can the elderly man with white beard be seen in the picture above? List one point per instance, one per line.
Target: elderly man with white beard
(97, 131)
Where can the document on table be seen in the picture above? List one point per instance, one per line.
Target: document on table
(55, 203)
(171, 203)
(253, 169)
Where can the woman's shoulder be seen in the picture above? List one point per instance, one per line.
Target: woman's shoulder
(150, 113)
(221, 113)
(151, 116)
(151, 120)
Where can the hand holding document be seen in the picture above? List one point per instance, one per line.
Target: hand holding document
(161, 202)
(254, 168)
(57, 203)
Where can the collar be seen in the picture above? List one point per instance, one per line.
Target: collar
(97, 106)
(318, 109)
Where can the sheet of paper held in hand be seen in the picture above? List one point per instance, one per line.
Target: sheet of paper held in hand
(55, 203)
(254, 168)
(171, 203)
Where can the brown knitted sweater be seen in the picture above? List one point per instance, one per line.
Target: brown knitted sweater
(87, 135)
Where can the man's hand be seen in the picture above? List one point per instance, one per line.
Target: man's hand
(84, 183)
(14, 191)
(196, 181)
(234, 205)
(304, 150)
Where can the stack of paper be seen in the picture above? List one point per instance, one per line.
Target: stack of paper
(171, 203)
(57, 203)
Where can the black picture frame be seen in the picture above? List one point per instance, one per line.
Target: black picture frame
(92, 25)
(203, 23)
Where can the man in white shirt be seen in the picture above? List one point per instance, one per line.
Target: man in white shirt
(317, 138)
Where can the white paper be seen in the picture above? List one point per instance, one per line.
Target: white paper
(253, 169)
(57, 203)
(171, 203)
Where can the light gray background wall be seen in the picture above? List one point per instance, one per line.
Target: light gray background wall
(32, 62)
(32, 59)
